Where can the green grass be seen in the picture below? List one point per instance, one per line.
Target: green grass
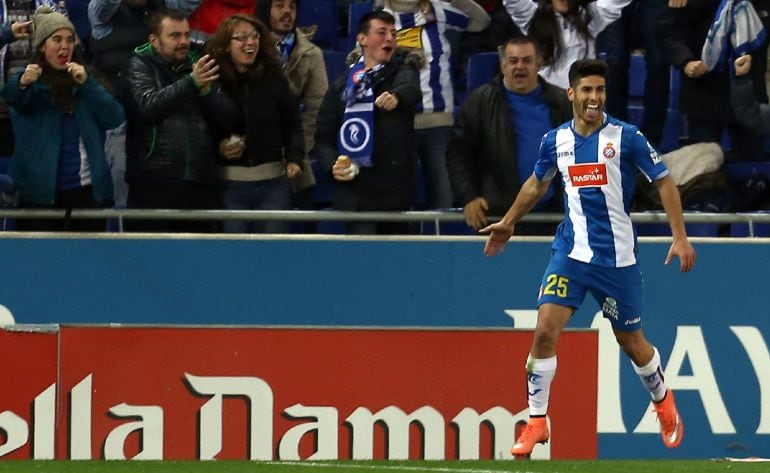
(606, 466)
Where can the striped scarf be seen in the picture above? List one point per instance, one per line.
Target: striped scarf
(356, 135)
(735, 31)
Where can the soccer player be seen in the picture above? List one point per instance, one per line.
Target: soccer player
(595, 246)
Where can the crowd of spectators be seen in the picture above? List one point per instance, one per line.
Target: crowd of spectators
(212, 104)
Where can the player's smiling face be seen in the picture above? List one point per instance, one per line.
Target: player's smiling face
(588, 97)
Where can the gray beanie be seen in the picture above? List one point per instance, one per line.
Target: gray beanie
(46, 22)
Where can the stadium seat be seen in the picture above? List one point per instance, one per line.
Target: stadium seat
(335, 64)
(447, 228)
(355, 12)
(322, 191)
(675, 79)
(675, 125)
(322, 13)
(6, 223)
(693, 229)
(637, 74)
(671, 131)
(482, 67)
(739, 170)
(742, 230)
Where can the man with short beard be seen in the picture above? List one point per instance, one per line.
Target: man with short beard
(117, 27)
(170, 96)
(495, 139)
(303, 66)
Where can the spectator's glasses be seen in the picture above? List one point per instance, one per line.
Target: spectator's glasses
(243, 37)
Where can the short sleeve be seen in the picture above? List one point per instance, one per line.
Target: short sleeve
(546, 165)
(647, 158)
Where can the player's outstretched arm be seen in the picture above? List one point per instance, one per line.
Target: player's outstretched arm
(672, 204)
(500, 232)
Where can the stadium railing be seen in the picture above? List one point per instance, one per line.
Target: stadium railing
(452, 221)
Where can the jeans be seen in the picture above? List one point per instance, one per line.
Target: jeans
(115, 150)
(745, 144)
(614, 45)
(430, 147)
(78, 198)
(173, 195)
(657, 83)
(272, 194)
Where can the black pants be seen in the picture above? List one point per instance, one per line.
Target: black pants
(182, 195)
(80, 198)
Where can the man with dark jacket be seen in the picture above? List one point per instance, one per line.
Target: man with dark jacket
(496, 138)
(365, 129)
(170, 97)
(117, 27)
(748, 110)
(303, 66)
(704, 96)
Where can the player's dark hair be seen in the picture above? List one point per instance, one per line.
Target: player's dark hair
(586, 67)
(365, 22)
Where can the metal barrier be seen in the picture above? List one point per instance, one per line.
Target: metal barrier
(751, 219)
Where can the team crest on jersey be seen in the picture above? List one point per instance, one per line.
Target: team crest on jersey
(588, 175)
(358, 76)
(609, 151)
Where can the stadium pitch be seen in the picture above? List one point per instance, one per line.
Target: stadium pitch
(608, 466)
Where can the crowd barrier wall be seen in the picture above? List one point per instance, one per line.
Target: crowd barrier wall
(711, 326)
(182, 393)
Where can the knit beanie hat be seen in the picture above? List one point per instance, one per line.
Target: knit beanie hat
(46, 22)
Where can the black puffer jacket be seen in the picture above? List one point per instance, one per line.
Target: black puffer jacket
(390, 183)
(171, 127)
(269, 117)
(481, 156)
(748, 111)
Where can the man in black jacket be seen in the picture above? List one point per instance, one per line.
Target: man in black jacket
(749, 112)
(704, 96)
(496, 138)
(117, 27)
(377, 171)
(170, 97)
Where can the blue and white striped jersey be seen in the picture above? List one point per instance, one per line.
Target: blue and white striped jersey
(426, 31)
(598, 172)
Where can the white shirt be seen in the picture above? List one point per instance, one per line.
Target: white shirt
(603, 13)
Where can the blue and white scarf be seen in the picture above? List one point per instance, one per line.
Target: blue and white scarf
(285, 46)
(736, 30)
(356, 136)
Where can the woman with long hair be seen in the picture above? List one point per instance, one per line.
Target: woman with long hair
(266, 146)
(565, 29)
(60, 114)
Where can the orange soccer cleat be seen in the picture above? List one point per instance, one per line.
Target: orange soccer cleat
(671, 426)
(536, 431)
